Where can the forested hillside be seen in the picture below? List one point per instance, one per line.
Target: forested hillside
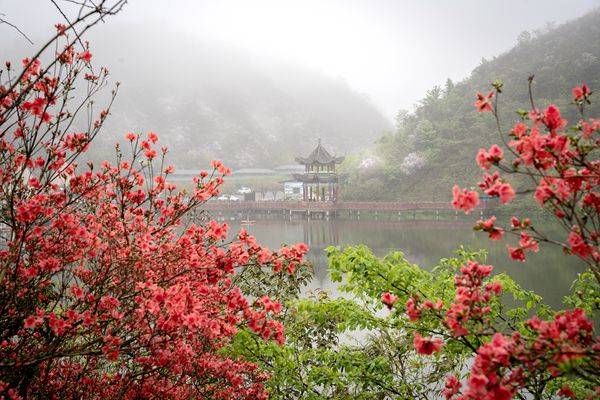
(230, 106)
(435, 146)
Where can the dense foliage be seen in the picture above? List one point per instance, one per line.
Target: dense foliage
(432, 148)
(452, 321)
(110, 289)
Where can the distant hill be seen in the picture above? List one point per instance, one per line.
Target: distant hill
(435, 146)
(210, 101)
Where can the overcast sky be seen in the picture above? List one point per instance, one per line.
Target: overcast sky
(393, 51)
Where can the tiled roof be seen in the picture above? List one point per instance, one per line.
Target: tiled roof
(319, 156)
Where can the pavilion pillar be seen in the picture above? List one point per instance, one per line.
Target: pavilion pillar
(318, 190)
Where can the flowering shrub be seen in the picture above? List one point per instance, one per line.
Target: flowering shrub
(561, 168)
(110, 289)
(412, 162)
(455, 313)
(564, 169)
(459, 327)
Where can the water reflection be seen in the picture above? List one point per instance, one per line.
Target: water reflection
(548, 273)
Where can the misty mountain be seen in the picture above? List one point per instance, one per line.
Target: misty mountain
(210, 101)
(434, 147)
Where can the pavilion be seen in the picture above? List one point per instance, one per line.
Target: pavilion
(320, 181)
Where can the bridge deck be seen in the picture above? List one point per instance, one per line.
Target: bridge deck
(303, 206)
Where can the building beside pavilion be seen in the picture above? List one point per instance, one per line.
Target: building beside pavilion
(320, 180)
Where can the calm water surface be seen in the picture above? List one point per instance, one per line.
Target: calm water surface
(548, 273)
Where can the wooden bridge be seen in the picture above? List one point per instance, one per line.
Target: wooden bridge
(328, 207)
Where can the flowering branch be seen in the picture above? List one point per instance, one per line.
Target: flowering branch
(562, 167)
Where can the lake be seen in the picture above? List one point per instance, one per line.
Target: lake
(549, 272)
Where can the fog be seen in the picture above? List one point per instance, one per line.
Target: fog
(390, 50)
(257, 82)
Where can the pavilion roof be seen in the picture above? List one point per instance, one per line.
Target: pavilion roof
(319, 156)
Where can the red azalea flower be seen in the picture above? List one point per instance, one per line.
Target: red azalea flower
(484, 103)
(427, 346)
(389, 299)
(465, 200)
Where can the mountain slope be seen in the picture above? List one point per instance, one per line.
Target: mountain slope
(214, 101)
(435, 146)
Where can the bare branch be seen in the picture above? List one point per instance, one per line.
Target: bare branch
(100, 11)
(79, 3)
(3, 21)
